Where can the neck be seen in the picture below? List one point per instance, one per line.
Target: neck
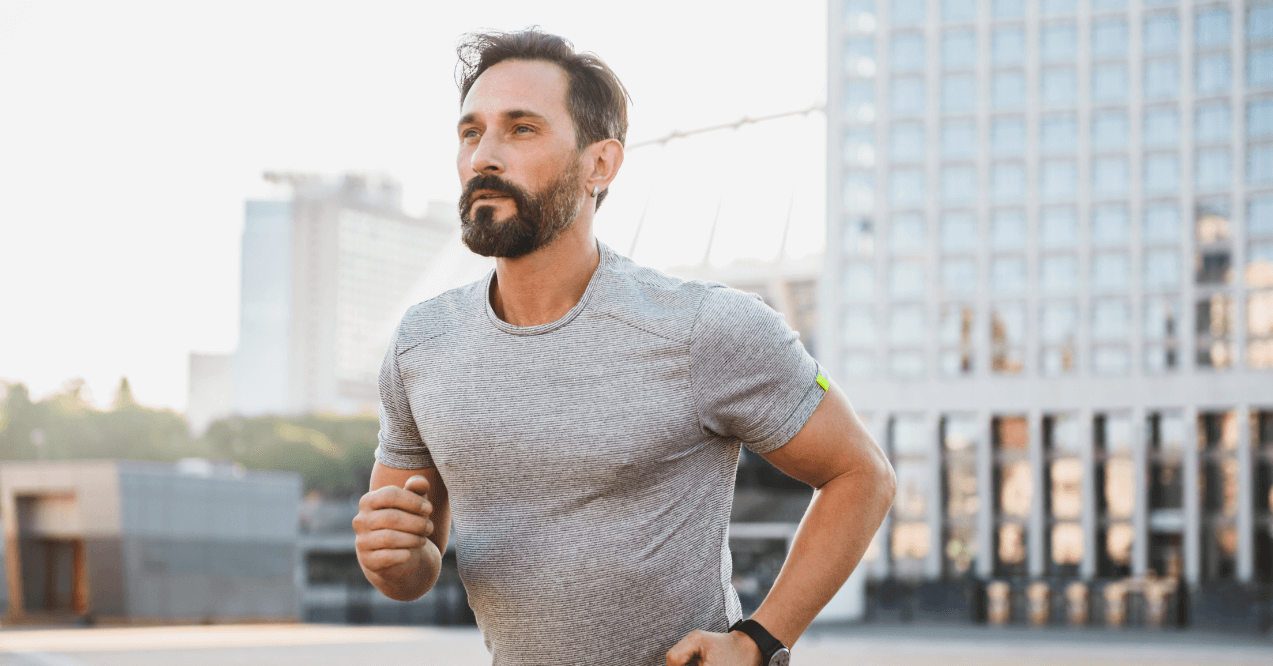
(544, 285)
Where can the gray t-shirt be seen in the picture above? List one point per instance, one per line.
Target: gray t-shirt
(590, 461)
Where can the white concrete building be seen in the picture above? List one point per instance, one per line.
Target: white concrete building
(1049, 286)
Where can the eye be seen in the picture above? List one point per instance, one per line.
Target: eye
(469, 133)
(523, 129)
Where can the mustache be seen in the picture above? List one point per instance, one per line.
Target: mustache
(492, 183)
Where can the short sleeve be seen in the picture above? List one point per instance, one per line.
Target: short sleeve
(400, 445)
(752, 379)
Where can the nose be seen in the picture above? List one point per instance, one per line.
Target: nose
(487, 157)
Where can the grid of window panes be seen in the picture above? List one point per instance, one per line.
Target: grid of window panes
(1049, 197)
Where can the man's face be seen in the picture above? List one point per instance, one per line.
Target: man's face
(521, 172)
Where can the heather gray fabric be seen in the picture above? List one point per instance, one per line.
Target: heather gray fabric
(590, 461)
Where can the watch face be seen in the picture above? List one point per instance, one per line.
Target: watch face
(781, 658)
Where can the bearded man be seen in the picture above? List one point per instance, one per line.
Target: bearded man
(578, 418)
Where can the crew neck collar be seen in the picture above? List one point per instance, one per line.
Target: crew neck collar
(551, 326)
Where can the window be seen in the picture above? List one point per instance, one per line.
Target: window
(859, 191)
(1109, 177)
(906, 325)
(1260, 164)
(1259, 22)
(1162, 223)
(959, 140)
(1058, 135)
(959, 232)
(859, 146)
(1008, 182)
(906, 279)
(1117, 498)
(1109, 131)
(908, 188)
(859, 280)
(907, 143)
(958, 185)
(1212, 74)
(1259, 217)
(1161, 127)
(1161, 33)
(1059, 180)
(907, 54)
(1008, 91)
(1008, 8)
(1013, 492)
(908, 12)
(907, 97)
(1162, 79)
(959, 448)
(1007, 275)
(1162, 269)
(1058, 322)
(859, 56)
(1212, 169)
(1063, 476)
(1059, 273)
(1008, 136)
(1060, 43)
(859, 327)
(1060, 228)
(906, 235)
(859, 100)
(910, 537)
(1162, 173)
(1212, 27)
(859, 237)
(959, 10)
(1259, 67)
(959, 50)
(1162, 317)
(958, 276)
(1007, 46)
(1058, 7)
(1211, 122)
(959, 94)
(1107, 5)
(1007, 230)
(1110, 361)
(906, 364)
(1109, 39)
(1109, 83)
(956, 324)
(1259, 118)
(859, 14)
(1059, 87)
(1109, 226)
(1109, 271)
(1007, 335)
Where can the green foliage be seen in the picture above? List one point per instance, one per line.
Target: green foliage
(333, 453)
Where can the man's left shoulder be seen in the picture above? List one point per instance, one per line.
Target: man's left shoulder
(651, 300)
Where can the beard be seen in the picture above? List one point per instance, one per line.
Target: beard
(540, 218)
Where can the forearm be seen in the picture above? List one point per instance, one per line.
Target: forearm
(412, 579)
(832, 537)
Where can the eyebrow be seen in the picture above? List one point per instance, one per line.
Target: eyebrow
(513, 114)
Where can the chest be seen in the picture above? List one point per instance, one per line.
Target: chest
(590, 406)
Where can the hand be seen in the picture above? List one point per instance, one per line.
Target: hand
(392, 529)
(704, 648)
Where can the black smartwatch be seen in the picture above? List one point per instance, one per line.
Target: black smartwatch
(772, 651)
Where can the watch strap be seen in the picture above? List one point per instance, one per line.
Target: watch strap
(764, 640)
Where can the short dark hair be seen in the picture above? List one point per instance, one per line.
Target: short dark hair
(596, 99)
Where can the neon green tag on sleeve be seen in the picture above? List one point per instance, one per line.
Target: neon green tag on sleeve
(822, 381)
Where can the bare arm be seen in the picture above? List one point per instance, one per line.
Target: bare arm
(854, 486)
(401, 530)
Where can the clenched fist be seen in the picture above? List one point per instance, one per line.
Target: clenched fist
(705, 648)
(392, 531)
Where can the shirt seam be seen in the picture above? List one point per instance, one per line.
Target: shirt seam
(698, 314)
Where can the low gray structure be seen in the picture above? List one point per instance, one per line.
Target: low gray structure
(128, 541)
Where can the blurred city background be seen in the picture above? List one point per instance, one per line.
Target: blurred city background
(1031, 239)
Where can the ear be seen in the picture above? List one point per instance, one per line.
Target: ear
(601, 164)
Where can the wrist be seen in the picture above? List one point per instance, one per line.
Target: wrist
(748, 646)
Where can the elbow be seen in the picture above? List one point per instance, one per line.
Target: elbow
(886, 483)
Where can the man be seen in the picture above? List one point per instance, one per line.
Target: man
(580, 417)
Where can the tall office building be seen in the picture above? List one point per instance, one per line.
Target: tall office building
(321, 274)
(1049, 288)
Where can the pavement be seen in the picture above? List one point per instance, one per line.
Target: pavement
(860, 645)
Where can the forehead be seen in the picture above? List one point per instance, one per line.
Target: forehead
(531, 85)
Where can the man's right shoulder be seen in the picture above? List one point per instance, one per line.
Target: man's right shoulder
(439, 315)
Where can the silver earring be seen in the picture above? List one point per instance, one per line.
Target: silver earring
(594, 190)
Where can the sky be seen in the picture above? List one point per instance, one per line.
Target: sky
(131, 133)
